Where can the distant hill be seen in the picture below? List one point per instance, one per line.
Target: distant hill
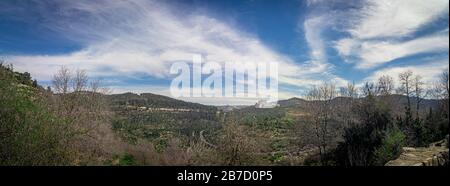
(291, 102)
(228, 108)
(153, 116)
(396, 103)
(154, 101)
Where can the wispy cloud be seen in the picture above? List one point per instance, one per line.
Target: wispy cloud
(383, 31)
(128, 39)
(375, 53)
(313, 28)
(429, 71)
(125, 38)
(387, 18)
(319, 19)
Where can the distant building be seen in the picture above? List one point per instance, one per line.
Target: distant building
(266, 104)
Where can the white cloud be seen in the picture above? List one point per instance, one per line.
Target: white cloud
(143, 36)
(318, 69)
(383, 32)
(125, 38)
(429, 71)
(347, 46)
(375, 53)
(387, 18)
(313, 28)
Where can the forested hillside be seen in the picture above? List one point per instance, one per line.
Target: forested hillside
(30, 134)
(76, 121)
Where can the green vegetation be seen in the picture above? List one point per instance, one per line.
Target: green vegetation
(122, 160)
(373, 137)
(29, 133)
(79, 123)
(391, 146)
(361, 140)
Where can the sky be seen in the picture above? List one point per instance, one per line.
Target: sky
(131, 44)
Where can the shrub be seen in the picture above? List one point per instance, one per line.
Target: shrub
(29, 133)
(364, 137)
(122, 160)
(391, 146)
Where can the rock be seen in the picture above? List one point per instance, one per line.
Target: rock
(437, 154)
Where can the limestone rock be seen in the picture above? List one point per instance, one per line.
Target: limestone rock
(437, 154)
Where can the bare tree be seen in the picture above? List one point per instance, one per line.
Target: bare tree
(61, 80)
(445, 84)
(320, 115)
(87, 112)
(446, 91)
(419, 92)
(441, 90)
(385, 85)
(349, 91)
(95, 86)
(406, 86)
(79, 81)
(412, 87)
(369, 89)
(236, 145)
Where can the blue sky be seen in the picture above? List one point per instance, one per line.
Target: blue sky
(131, 44)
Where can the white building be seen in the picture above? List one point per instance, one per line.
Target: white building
(266, 104)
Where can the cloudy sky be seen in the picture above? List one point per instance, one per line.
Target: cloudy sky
(131, 44)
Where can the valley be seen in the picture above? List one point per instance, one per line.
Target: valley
(88, 126)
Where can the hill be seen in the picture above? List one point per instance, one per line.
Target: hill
(153, 101)
(396, 102)
(156, 117)
(30, 134)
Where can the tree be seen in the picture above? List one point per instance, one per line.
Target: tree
(366, 135)
(321, 114)
(349, 91)
(444, 84)
(61, 80)
(385, 85)
(441, 91)
(405, 88)
(369, 89)
(436, 122)
(29, 133)
(236, 146)
(419, 92)
(79, 81)
(84, 107)
(391, 146)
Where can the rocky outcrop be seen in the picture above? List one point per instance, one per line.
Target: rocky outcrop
(437, 154)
